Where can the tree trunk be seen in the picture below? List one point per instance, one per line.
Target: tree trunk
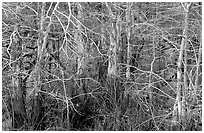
(41, 44)
(79, 40)
(128, 41)
(112, 68)
(178, 107)
(199, 58)
(19, 94)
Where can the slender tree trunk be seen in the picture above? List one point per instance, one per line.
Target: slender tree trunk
(128, 41)
(199, 58)
(41, 43)
(37, 101)
(18, 99)
(178, 107)
(119, 48)
(183, 90)
(79, 40)
(112, 67)
(197, 72)
(101, 60)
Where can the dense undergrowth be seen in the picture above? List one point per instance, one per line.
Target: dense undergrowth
(103, 109)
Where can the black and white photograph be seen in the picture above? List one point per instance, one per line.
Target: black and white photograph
(101, 66)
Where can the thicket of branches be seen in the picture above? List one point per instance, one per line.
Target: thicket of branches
(101, 66)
